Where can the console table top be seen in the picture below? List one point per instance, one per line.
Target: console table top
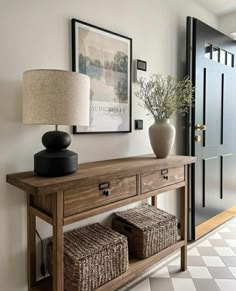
(87, 172)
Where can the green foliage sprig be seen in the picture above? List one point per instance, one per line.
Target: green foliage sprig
(164, 97)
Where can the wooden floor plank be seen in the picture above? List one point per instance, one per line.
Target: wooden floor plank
(214, 222)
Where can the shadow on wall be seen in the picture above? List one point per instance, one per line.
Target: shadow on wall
(181, 140)
(181, 52)
(12, 202)
(10, 111)
(11, 128)
(10, 102)
(17, 140)
(181, 136)
(18, 144)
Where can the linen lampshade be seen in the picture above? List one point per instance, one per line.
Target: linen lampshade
(55, 97)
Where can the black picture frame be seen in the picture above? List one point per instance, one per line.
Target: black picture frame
(106, 57)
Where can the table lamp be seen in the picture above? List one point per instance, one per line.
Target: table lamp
(55, 97)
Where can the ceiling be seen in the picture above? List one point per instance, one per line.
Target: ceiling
(219, 7)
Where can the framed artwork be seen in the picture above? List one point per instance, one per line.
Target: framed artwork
(106, 57)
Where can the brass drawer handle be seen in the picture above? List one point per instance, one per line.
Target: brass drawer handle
(106, 192)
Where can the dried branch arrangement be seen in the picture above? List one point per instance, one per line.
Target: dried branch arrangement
(164, 97)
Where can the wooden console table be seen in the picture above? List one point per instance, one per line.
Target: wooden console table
(96, 188)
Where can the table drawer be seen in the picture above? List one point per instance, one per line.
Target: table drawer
(95, 195)
(157, 179)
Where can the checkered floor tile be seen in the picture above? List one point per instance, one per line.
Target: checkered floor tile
(211, 266)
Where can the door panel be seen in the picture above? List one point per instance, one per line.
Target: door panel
(212, 104)
(211, 181)
(228, 179)
(211, 67)
(207, 199)
(229, 125)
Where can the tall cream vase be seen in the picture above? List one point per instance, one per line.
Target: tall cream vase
(162, 137)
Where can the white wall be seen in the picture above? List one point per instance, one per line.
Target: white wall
(227, 23)
(36, 34)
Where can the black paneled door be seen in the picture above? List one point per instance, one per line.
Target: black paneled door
(211, 64)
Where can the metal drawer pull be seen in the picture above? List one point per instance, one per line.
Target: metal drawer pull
(103, 186)
(106, 192)
(164, 172)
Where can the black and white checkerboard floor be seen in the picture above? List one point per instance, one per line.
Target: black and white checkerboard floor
(211, 266)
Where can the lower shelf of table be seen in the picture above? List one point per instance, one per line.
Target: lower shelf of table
(136, 267)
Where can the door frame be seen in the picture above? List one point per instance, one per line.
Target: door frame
(190, 120)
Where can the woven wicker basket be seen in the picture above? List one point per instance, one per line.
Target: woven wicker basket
(148, 229)
(93, 255)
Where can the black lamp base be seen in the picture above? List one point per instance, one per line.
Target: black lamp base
(49, 163)
(55, 160)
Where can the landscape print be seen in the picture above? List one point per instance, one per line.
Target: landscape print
(105, 58)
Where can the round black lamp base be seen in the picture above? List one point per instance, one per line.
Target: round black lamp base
(55, 163)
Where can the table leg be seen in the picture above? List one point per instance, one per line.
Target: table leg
(58, 243)
(154, 201)
(31, 242)
(184, 209)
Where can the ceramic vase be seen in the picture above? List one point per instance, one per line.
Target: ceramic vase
(162, 137)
